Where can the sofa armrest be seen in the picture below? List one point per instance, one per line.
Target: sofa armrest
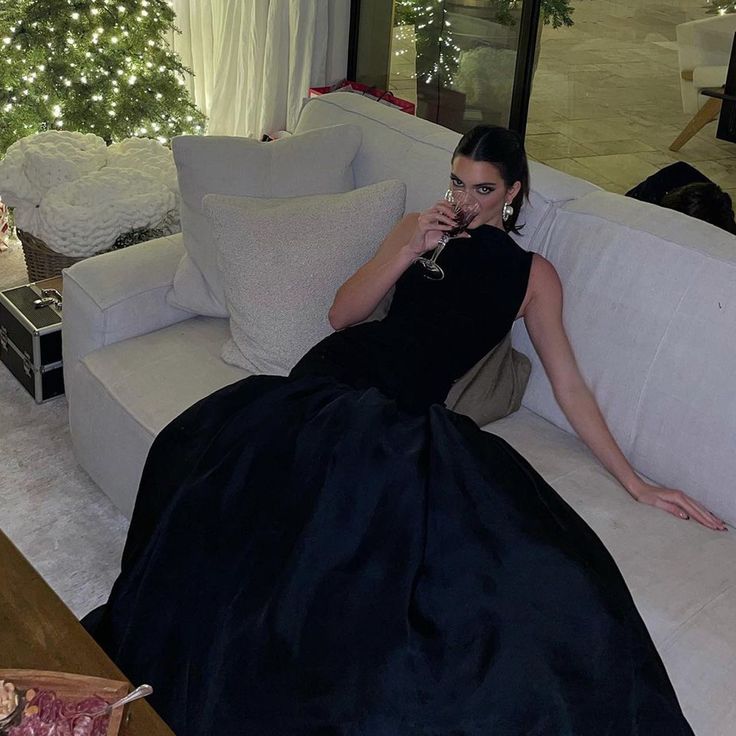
(119, 295)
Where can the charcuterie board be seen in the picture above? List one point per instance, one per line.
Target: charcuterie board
(37, 702)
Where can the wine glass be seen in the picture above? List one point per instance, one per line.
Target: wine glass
(466, 209)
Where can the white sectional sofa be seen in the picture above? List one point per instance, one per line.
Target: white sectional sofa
(650, 307)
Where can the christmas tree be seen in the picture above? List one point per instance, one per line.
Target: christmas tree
(93, 66)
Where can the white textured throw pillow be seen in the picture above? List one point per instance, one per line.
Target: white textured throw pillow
(317, 162)
(283, 260)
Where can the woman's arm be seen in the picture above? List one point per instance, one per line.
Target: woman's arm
(362, 292)
(543, 318)
(416, 233)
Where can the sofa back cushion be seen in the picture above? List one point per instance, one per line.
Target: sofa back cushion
(400, 146)
(650, 308)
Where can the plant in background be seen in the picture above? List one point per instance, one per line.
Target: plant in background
(438, 55)
(93, 66)
(717, 7)
(555, 12)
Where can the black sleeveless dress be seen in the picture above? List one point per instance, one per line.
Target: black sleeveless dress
(337, 554)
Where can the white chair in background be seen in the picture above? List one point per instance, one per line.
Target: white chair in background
(704, 49)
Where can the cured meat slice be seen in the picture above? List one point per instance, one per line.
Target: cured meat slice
(45, 714)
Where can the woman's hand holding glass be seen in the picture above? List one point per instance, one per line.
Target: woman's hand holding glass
(447, 219)
(432, 224)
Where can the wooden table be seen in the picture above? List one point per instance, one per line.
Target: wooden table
(37, 631)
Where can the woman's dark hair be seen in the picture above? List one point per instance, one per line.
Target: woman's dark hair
(704, 200)
(504, 149)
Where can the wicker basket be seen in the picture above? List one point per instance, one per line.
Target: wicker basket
(42, 262)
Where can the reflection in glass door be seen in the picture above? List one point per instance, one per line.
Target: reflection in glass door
(462, 62)
(614, 89)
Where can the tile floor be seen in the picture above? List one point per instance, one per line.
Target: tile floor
(605, 104)
(606, 99)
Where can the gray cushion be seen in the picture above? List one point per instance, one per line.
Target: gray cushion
(283, 260)
(493, 387)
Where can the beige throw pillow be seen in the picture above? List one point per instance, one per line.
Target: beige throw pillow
(316, 162)
(282, 260)
(493, 387)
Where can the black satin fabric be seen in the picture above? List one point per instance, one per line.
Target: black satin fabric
(337, 554)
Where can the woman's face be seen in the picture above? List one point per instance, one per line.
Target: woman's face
(486, 185)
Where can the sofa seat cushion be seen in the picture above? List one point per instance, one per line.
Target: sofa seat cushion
(682, 576)
(155, 377)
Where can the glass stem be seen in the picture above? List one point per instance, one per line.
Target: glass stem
(441, 243)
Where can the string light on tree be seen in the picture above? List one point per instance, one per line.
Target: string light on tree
(437, 53)
(69, 46)
(716, 7)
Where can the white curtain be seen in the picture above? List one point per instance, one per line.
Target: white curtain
(254, 60)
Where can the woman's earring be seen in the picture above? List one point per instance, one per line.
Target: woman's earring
(508, 210)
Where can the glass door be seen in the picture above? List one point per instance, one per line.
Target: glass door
(614, 91)
(462, 62)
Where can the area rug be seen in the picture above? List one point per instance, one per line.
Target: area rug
(58, 518)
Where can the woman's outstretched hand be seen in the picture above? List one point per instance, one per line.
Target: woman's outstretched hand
(677, 503)
(431, 225)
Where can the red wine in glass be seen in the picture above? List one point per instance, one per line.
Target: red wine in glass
(466, 210)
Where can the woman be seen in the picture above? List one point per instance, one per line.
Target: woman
(337, 553)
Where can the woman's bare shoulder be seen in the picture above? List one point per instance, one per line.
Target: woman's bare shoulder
(544, 284)
(543, 274)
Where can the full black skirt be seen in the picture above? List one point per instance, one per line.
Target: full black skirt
(308, 559)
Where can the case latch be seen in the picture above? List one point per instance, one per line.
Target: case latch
(49, 298)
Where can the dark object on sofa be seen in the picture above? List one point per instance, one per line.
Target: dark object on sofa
(682, 187)
(671, 177)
